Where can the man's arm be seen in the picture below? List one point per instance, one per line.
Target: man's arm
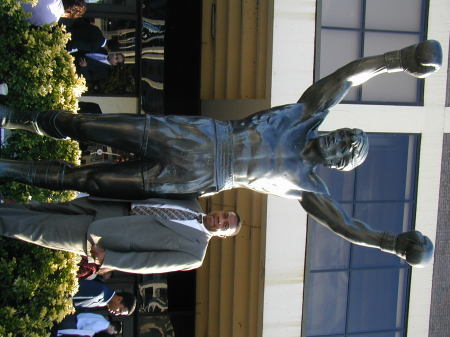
(413, 247)
(91, 294)
(418, 60)
(84, 69)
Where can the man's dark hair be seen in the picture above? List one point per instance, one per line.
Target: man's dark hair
(74, 8)
(128, 301)
(238, 226)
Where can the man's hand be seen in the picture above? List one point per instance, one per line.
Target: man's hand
(98, 254)
(82, 62)
(423, 59)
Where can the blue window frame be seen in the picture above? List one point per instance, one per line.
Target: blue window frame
(352, 290)
(351, 29)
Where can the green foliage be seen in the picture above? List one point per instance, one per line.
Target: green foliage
(27, 146)
(33, 61)
(36, 285)
(40, 75)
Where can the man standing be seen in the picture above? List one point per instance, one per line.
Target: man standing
(95, 294)
(96, 66)
(150, 236)
(274, 151)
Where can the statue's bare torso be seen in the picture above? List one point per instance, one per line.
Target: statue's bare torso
(268, 152)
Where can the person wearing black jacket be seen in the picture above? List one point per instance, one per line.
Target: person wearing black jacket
(97, 66)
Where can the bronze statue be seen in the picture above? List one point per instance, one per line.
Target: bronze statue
(274, 151)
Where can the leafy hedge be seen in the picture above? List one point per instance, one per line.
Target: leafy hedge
(40, 75)
(35, 283)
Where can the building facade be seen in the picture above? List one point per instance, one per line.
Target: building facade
(284, 275)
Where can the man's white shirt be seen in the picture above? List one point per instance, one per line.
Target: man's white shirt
(191, 223)
(98, 57)
(88, 324)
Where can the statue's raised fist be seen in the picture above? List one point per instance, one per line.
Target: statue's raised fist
(414, 247)
(423, 59)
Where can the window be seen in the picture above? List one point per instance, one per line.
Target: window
(353, 291)
(351, 29)
(160, 41)
(120, 38)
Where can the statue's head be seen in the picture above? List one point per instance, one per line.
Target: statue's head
(344, 149)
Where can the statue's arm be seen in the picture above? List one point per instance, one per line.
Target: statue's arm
(418, 60)
(415, 248)
(329, 213)
(330, 90)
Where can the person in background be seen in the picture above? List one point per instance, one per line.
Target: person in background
(86, 37)
(87, 324)
(95, 294)
(96, 66)
(50, 11)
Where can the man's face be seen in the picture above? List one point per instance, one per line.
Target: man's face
(116, 307)
(115, 59)
(337, 147)
(221, 223)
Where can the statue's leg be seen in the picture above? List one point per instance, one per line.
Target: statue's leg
(119, 180)
(39, 122)
(127, 180)
(122, 131)
(418, 60)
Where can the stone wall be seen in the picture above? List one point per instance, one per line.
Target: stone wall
(440, 299)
